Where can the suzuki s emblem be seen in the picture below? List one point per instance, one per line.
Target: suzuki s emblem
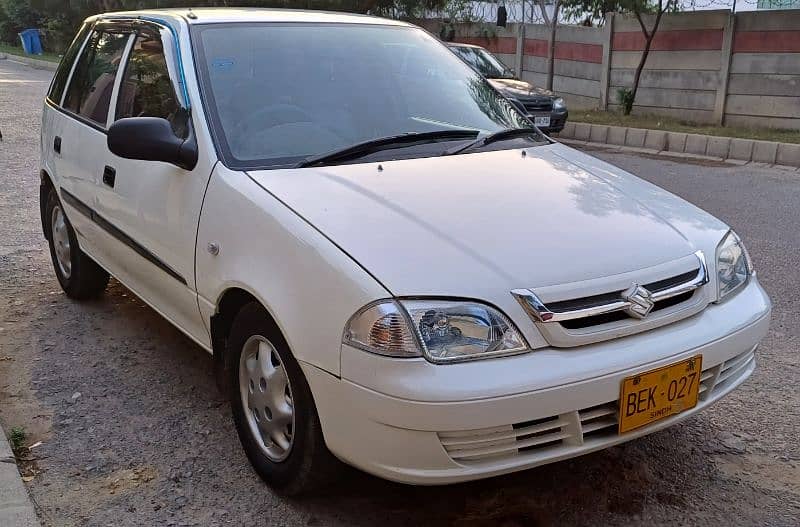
(640, 299)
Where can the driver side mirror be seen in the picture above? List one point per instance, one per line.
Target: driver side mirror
(152, 139)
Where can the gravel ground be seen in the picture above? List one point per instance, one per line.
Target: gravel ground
(135, 433)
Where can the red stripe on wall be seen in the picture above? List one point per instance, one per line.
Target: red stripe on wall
(581, 52)
(495, 45)
(676, 40)
(766, 42)
(566, 50)
(535, 47)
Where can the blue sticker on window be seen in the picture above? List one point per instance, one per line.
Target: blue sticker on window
(223, 64)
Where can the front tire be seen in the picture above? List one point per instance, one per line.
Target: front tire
(80, 277)
(272, 406)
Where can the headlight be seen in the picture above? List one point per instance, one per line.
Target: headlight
(440, 330)
(559, 104)
(733, 265)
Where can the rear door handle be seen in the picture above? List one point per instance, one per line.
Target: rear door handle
(57, 144)
(109, 176)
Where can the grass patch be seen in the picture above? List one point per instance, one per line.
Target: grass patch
(668, 124)
(17, 50)
(17, 438)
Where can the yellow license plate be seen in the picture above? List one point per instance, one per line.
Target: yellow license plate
(657, 394)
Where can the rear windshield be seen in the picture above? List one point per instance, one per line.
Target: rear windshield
(278, 93)
(487, 64)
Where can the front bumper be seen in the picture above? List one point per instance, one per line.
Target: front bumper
(557, 121)
(414, 422)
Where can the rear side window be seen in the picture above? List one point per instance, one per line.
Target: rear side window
(146, 89)
(89, 92)
(62, 74)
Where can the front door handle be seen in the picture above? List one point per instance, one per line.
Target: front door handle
(57, 144)
(109, 176)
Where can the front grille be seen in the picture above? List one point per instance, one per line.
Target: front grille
(556, 434)
(618, 306)
(597, 300)
(580, 323)
(537, 105)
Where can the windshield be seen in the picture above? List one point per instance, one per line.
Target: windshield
(487, 64)
(280, 93)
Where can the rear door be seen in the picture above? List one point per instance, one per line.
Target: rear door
(54, 119)
(79, 132)
(151, 209)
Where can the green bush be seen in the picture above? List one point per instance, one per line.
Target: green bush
(17, 438)
(16, 15)
(625, 97)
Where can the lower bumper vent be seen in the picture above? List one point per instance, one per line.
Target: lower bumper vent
(550, 436)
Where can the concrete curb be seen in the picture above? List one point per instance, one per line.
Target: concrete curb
(674, 155)
(677, 144)
(39, 64)
(15, 504)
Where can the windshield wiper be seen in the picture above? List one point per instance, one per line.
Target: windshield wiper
(508, 133)
(385, 143)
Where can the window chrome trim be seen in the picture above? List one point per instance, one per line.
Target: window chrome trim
(537, 309)
(120, 78)
(60, 102)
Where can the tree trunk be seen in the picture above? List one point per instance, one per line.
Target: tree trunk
(648, 36)
(551, 43)
(638, 73)
(551, 56)
(364, 6)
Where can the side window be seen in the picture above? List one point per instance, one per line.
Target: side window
(147, 89)
(89, 92)
(62, 74)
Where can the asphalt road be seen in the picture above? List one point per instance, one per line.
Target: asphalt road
(134, 432)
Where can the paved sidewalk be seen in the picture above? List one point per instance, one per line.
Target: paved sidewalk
(16, 509)
(38, 64)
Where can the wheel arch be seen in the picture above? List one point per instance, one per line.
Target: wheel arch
(228, 305)
(45, 186)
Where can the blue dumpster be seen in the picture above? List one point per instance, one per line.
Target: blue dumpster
(31, 42)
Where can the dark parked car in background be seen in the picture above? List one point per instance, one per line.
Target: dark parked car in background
(547, 110)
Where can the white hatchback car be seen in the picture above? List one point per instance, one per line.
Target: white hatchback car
(387, 261)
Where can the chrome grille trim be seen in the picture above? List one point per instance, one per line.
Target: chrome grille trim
(541, 313)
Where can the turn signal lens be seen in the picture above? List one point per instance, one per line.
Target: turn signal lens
(382, 328)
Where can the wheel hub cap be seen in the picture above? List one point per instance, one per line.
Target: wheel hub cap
(61, 245)
(266, 398)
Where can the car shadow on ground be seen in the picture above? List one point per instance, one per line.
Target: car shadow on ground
(621, 481)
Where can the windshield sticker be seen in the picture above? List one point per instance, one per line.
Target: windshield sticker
(224, 64)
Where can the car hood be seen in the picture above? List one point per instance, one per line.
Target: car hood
(518, 88)
(478, 225)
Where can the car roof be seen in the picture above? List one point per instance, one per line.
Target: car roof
(212, 15)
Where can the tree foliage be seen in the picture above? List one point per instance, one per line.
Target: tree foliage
(14, 17)
(594, 11)
(59, 19)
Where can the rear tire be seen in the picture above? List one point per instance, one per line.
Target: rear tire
(273, 408)
(80, 277)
